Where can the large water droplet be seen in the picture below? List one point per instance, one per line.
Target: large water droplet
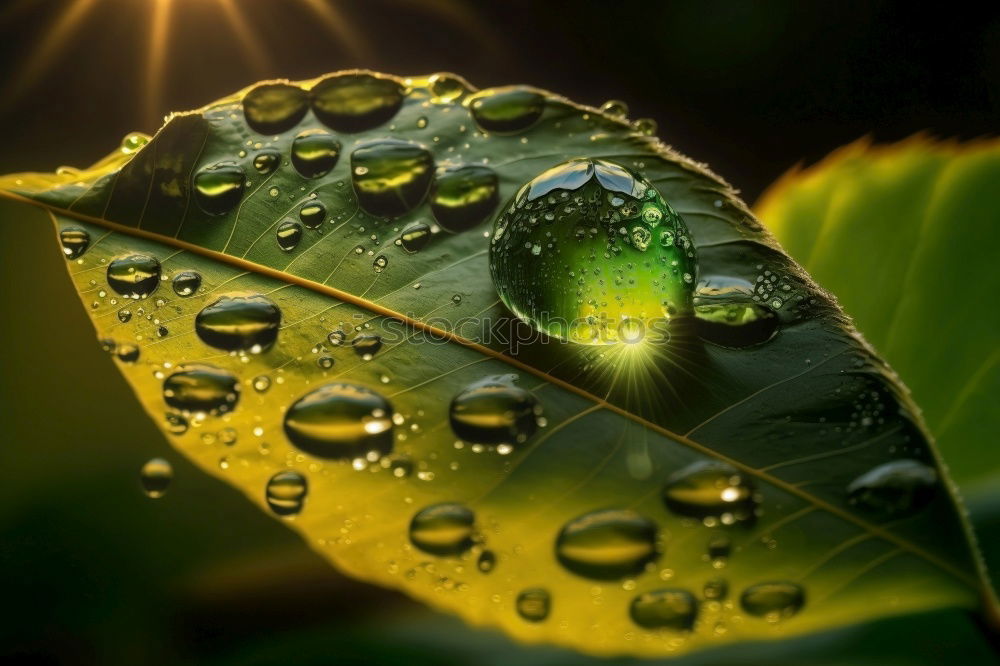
(726, 314)
(219, 188)
(289, 233)
(75, 241)
(894, 488)
(464, 196)
(494, 411)
(366, 345)
(201, 389)
(239, 322)
(534, 604)
(572, 254)
(607, 544)
(286, 492)
(664, 609)
(340, 421)
(415, 237)
(391, 177)
(272, 108)
(312, 214)
(356, 102)
(510, 109)
(711, 489)
(447, 87)
(487, 561)
(186, 283)
(155, 477)
(133, 141)
(443, 529)
(615, 108)
(314, 153)
(266, 161)
(134, 276)
(773, 601)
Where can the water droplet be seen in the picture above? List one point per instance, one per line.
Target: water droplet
(312, 214)
(716, 589)
(336, 338)
(186, 283)
(894, 488)
(134, 276)
(133, 142)
(286, 492)
(266, 161)
(391, 177)
(314, 153)
(422, 122)
(401, 467)
(534, 604)
(325, 362)
(443, 529)
(380, 263)
(464, 196)
(773, 601)
(494, 411)
(710, 489)
(447, 88)
(366, 345)
(289, 234)
(507, 110)
(75, 241)
(228, 436)
(727, 315)
(219, 188)
(239, 322)
(356, 102)
(155, 477)
(273, 108)
(198, 388)
(584, 213)
(261, 383)
(607, 544)
(177, 424)
(127, 353)
(615, 108)
(124, 315)
(664, 609)
(487, 561)
(415, 236)
(646, 126)
(340, 421)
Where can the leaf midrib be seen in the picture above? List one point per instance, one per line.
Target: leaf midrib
(273, 273)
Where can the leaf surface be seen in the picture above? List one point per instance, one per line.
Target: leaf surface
(791, 423)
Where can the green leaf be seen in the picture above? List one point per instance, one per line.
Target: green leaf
(649, 499)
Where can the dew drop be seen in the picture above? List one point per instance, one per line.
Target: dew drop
(314, 153)
(219, 188)
(380, 263)
(391, 177)
(266, 161)
(155, 477)
(506, 110)
(273, 108)
(447, 88)
(487, 561)
(177, 424)
(534, 604)
(773, 601)
(286, 492)
(464, 196)
(124, 315)
(289, 234)
(415, 237)
(607, 544)
(336, 337)
(312, 214)
(710, 489)
(133, 142)
(727, 315)
(199, 388)
(325, 362)
(127, 353)
(895, 488)
(261, 383)
(74, 240)
(356, 102)
(340, 421)
(239, 322)
(186, 283)
(615, 108)
(646, 126)
(664, 609)
(494, 411)
(366, 345)
(134, 276)
(443, 529)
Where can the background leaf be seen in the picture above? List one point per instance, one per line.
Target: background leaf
(729, 240)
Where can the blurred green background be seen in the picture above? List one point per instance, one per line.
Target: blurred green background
(94, 572)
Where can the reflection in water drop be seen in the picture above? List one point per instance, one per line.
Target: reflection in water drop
(506, 110)
(615, 108)
(607, 544)
(155, 477)
(200, 388)
(312, 214)
(380, 263)
(391, 177)
(186, 283)
(443, 529)
(134, 276)
(665, 609)
(340, 421)
(239, 322)
(895, 488)
(177, 424)
(266, 161)
(494, 411)
(314, 153)
(711, 489)
(286, 492)
(534, 604)
(464, 196)
(289, 234)
(366, 345)
(415, 237)
(261, 383)
(272, 108)
(447, 88)
(127, 353)
(356, 102)
(219, 188)
(133, 142)
(74, 240)
(727, 315)
(773, 601)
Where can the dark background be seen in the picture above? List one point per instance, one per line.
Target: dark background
(93, 572)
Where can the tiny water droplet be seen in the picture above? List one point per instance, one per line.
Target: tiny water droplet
(773, 601)
(286, 492)
(289, 234)
(380, 263)
(615, 108)
(664, 609)
(127, 353)
(366, 345)
(124, 315)
(415, 237)
(266, 161)
(261, 383)
(443, 529)
(177, 424)
(487, 561)
(155, 477)
(534, 604)
(325, 362)
(186, 283)
(75, 241)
